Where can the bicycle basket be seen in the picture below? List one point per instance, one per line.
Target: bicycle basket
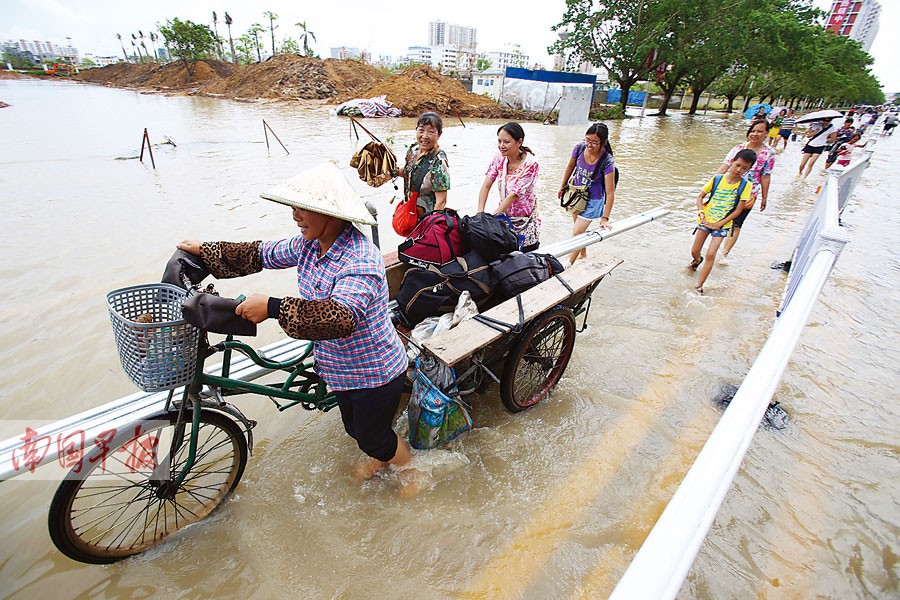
(157, 347)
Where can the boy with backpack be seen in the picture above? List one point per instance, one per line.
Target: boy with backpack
(727, 194)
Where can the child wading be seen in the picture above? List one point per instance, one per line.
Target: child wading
(727, 194)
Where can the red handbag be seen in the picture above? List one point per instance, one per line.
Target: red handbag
(405, 217)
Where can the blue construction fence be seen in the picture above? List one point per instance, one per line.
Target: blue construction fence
(614, 96)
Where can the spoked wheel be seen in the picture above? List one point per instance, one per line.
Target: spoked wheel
(122, 506)
(537, 359)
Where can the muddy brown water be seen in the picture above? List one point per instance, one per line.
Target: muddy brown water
(550, 503)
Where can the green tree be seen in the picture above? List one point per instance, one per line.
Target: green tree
(289, 46)
(188, 41)
(272, 17)
(483, 64)
(254, 32)
(305, 34)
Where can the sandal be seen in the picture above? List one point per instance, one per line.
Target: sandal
(695, 263)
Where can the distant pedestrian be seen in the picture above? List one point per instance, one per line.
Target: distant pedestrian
(890, 122)
(819, 138)
(844, 137)
(775, 127)
(787, 128)
(760, 175)
(728, 194)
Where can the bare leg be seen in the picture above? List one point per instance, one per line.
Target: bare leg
(580, 226)
(803, 162)
(697, 247)
(369, 466)
(809, 166)
(708, 263)
(731, 240)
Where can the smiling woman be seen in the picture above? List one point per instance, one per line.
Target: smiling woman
(426, 175)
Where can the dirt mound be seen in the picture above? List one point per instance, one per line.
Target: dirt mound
(151, 75)
(283, 77)
(351, 77)
(119, 74)
(420, 88)
(291, 77)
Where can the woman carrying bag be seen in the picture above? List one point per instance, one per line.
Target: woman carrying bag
(516, 175)
(592, 168)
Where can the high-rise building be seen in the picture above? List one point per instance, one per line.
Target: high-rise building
(442, 34)
(857, 19)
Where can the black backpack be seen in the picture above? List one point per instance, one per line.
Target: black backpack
(519, 272)
(491, 237)
(426, 292)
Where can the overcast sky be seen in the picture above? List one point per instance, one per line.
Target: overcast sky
(365, 24)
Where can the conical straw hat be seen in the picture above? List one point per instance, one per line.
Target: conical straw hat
(322, 189)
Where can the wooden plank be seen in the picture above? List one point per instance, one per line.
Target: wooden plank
(470, 336)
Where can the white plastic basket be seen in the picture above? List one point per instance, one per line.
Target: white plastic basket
(160, 354)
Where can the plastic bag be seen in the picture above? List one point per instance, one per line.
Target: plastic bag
(435, 413)
(432, 326)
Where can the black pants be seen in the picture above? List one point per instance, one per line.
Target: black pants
(368, 415)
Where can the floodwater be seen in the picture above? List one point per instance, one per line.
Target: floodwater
(550, 503)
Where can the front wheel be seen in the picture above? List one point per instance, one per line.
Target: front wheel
(124, 502)
(537, 359)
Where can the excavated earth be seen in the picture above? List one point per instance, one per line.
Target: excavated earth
(414, 90)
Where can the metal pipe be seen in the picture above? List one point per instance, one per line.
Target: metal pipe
(665, 558)
(594, 236)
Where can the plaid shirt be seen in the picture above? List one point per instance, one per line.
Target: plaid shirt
(352, 273)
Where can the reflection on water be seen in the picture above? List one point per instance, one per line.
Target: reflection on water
(550, 503)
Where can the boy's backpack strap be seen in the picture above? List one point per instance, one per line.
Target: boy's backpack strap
(716, 180)
(740, 190)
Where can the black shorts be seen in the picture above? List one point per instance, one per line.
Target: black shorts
(785, 133)
(739, 220)
(807, 149)
(368, 415)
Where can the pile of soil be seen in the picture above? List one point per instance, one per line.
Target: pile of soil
(351, 78)
(171, 76)
(419, 88)
(281, 77)
(415, 90)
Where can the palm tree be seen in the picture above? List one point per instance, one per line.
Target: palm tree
(216, 31)
(304, 36)
(272, 18)
(153, 38)
(121, 43)
(228, 22)
(137, 48)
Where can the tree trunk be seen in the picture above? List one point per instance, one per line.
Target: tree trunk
(730, 108)
(667, 95)
(747, 103)
(695, 101)
(626, 87)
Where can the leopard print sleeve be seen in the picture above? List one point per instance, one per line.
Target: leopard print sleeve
(315, 319)
(231, 259)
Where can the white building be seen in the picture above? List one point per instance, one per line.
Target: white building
(857, 19)
(43, 51)
(103, 61)
(488, 83)
(444, 58)
(344, 52)
(441, 33)
(501, 60)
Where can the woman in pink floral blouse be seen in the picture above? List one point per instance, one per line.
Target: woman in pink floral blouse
(515, 171)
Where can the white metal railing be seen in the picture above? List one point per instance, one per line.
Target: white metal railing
(660, 566)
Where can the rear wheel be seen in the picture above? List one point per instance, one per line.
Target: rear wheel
(122, 506)
(537, 359)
